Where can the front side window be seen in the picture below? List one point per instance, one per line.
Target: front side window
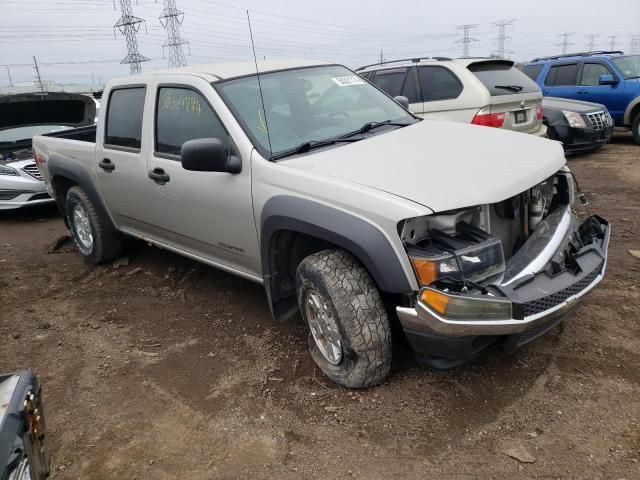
(591, 73)
(183, 114)
(124, 117)
(562, 75)
(306, 105)
(438, 83)
(391, 80)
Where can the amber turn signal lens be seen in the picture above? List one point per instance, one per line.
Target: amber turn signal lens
(436, 300)
(427, 270)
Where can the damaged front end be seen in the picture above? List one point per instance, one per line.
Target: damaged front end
(506, 272)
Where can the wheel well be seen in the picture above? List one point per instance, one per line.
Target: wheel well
(61, 186)
(287, 249)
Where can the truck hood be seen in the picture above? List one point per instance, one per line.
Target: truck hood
(441, 165)
(46, 108)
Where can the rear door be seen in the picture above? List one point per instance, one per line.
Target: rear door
(121, 172)
(512, 93)
(562, 81)
(589, 88)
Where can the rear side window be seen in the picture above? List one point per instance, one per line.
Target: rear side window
(367, 75)
(502, 78)
(391, 81)
(532, 71)
(438, 83)
(591, 73)
(124, 117)
(183, 114)
(562, 75)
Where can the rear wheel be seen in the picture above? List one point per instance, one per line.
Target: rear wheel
(636, 129)
(96, 242)
(349, 331)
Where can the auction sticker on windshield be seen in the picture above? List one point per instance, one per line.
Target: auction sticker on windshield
(347, 81)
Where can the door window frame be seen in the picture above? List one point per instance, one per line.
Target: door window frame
(121, 148)
(169, 156)
(585, 62)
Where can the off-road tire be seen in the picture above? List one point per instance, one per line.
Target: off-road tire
(107, 243)
(359, 313)
(635, 128)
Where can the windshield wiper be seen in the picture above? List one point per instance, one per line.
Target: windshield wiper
(367, 127)
(311, 144)
(513, 88)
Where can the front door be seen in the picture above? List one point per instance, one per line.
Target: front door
(205, 214)
(590, 90)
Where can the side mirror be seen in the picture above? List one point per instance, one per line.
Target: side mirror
(208, 155)
(402, 100)
(607, 80)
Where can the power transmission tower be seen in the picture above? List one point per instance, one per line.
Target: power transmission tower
(171, 18)
(612, 42)
(634, 47)
(381, 58)
(565, 42)
(35, 66)
(592, 41)
(129, 25)
(502, 37)
(466, 39)
(9, 75)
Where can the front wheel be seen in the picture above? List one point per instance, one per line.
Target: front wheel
(636, 129)
(349, 331)
(94, 239)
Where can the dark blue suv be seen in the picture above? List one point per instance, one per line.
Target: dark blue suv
(609, 78)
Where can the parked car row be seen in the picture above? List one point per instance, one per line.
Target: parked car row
(348, 208)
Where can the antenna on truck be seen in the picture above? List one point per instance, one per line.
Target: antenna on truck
(264, 111)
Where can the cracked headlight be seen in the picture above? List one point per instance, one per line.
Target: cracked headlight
(574, 119)
(4, 170)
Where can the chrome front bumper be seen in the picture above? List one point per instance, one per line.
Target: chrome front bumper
(537, 297)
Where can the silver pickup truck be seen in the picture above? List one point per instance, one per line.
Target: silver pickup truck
(345, 206)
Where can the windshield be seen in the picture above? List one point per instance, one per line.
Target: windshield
(629, 65)
(25, 133)
(503, 79)
(306, 105)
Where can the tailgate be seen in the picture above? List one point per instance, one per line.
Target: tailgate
(520, 111)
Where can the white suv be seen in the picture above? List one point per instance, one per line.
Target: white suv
(482, 91)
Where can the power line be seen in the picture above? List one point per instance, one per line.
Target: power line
(466, 39)
(591, 46)
(129, 25)
(171, 18)
(502, 37)
(565, 42)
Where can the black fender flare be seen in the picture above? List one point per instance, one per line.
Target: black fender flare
(63, 168)
(359, 237)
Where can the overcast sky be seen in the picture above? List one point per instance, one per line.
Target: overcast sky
(73, 39)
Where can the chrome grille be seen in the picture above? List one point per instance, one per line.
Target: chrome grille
(600, 120)
(32, 169)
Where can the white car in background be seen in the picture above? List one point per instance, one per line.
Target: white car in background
(23, 116)
(481, 91)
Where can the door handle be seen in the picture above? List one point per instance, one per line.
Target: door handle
(544, 92)
(159, 176)
(107, 165)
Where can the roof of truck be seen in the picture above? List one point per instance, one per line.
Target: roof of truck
(238, 69)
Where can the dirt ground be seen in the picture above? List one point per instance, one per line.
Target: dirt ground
(165, 368)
